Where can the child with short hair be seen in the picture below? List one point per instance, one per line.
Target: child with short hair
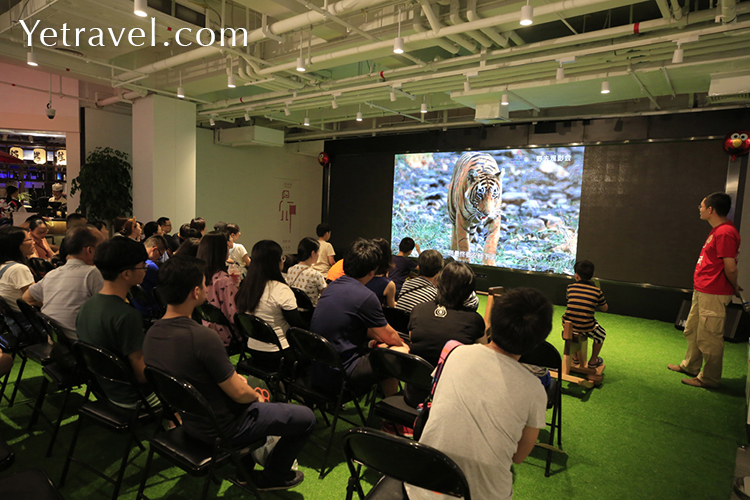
(402, 265)
(584, 297)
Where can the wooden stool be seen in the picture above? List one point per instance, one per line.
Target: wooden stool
(578, 343)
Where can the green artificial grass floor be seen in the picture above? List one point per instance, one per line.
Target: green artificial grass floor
(641, 435)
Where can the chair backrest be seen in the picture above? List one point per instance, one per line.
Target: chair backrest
(303, 300)
(40, 267)
(159, 299)
(54, 329)
(398, 319)
(212, 314)
(181, 397)
(405, 460)
(253, 327)
(30, 313)
(107, 366)
(311, 346)
(544, 355)
(17, 319)
(408, 368)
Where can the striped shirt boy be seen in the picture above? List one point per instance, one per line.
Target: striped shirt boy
(583, 299)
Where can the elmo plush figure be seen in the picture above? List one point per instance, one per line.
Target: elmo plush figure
(737, 143)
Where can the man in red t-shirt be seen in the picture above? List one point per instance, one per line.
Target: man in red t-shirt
(714, 283)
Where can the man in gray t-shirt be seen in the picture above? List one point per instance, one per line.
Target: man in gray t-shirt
(486, 431)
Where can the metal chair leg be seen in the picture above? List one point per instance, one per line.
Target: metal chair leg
(70, 451)
(58, 422)
(146, 470)
(38, 405)
(329, 445)
(18, 381)
(121, 472)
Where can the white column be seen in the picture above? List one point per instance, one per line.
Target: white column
(163, 159)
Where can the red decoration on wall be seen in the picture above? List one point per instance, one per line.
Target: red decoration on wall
(737, 143)
(323, 159)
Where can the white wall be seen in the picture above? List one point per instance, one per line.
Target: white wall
(245, 185)
(25, 109)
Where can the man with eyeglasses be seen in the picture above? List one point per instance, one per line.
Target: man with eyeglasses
(106, 320)
(156, 247)
(62, 291)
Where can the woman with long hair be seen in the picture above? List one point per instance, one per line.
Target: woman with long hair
(16, 245)
(383, 288)
(303, 275)
(38, 230)
(264, 294)
(220, 288)
(128, 227)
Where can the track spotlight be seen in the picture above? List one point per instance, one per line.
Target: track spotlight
(677, 56)
(504, 100)
(359, 113)
(527, 14)
(334, 104)
(211, 121)
(306, 122)
(247, 116)
(230, 82)
(300, 59)
(393, 96)
(139, 8)
(423, 108)
(560, 73)
(31, 57)
(287, 112)
(605, 87)
(467, 85)
(398, 45)
(180, 90)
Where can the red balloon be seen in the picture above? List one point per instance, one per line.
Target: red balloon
(323, 159)
(737, 143)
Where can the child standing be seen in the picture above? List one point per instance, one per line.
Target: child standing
(584, 297)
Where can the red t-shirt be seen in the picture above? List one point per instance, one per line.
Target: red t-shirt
(723, 241)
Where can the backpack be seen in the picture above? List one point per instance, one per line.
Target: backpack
(424, 408)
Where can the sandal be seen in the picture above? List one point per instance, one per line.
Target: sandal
(599, 361)
(574, 359)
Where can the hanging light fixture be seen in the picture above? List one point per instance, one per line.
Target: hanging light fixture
(230, 82)
(334, 104)
(560, 72)
(423, 108)
(467, 85)
(211, 120)
(393, 95)
(527, 14)
(605, 87)
(139, 8)
(287, 112)
(306, 123)
(180, 90)
(247, 115)
(300, 59)
(31, 57)
(359, 113)
(677, 56)
(398, 43)
(504, 99)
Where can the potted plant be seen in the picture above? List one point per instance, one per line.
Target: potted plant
(105, 183)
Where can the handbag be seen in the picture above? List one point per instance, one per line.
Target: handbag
(424, 408)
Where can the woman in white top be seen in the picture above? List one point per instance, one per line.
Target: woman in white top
(237, 252)
(264, 294)
(16, 245)
(303, 275)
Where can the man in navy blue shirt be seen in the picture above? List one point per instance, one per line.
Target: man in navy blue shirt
(348, 314)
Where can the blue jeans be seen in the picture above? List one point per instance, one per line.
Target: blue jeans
(294, 423)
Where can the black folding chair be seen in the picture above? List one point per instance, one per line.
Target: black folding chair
(40, 267)
(546, 356)
(144, 299)
(212, 314)
(65, 373)
(252, 327)
(398, 319)
(304, 304)
(27, 344)
(191, 455)
(400, 460)
(159, 299)
(104, 413)
(311, 349)
(407, 368)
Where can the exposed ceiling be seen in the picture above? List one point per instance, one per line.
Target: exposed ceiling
(461, 58)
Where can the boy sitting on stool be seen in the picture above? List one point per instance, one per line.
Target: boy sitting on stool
(583, 299)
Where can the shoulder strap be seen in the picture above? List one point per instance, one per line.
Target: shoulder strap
(6, 267)
(447, 349)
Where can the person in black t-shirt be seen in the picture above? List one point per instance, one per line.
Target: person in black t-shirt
(194, 353)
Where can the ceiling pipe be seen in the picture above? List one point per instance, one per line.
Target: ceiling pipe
(436, 26)
(475, 34)
(124, 97)
(307, 19)
(663, 5)
(471, 15)
(418, 28)
(676, 9)
(728, 11)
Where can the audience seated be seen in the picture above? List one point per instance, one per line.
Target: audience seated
(303, 275)
(38, 230)
(6, 363)
(71, 221)
(445, 318)
(150, 229)
(198, 224)
(129, 228)
(62, 291)
(220, 287)
(106, 320)
(336, 271)
(166, 227)
(155, 247)
(348, 314)
(402, 265)
(188, 248)
(102, 227)
(187, 232)
(326, 253)
(383, 288)
(237, 252)
(220, 226)
(194, 353)
(265, 294)
(16, 246)
(488, 408)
